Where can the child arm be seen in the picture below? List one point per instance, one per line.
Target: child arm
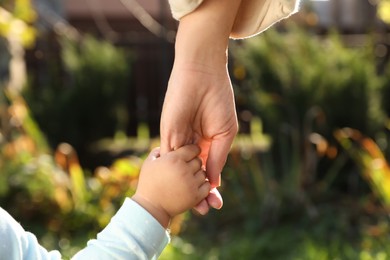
(131, 234)
(168, 186)
(16, 243)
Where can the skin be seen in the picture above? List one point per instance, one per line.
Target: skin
(199, 103)
(171, 184)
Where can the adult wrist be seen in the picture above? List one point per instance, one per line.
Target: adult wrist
(203, 35)
(210, 48)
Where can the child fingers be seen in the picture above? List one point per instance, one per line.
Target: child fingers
(200, 177)
(188, 152)
(154, 154)
(204, 189)
(195, 164)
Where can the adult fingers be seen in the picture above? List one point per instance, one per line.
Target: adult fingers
(173, 137)
(202, 208)
(165, 146)
(173, 141)
(168, 143)
(216, 160)
(214, 199)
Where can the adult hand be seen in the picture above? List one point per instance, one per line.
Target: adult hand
(199, 108)
(199, 103)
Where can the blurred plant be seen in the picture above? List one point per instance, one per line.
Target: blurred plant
(19, 135)
(266, 214)
(283, 75)
(51, 195)
(90, 103)
(386, 93)
(266, 188)
(304, 88)
(296, 194)
(370, 160)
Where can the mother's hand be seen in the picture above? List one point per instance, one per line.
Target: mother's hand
(199, 103)
(199, 108)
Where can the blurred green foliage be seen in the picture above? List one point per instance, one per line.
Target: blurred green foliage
(88, 103)
(286, 75)
(370, 159)
(303, 88)
(386, 92)
(48, 192)
(298, 186)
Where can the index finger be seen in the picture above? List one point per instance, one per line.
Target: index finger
(188, 152)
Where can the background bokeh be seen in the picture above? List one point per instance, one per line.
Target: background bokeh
(308, 177)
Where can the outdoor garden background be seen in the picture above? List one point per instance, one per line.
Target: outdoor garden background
(308, 176)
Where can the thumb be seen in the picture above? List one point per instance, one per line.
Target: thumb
(216, 160)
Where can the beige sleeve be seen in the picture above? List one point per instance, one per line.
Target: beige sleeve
(253, 17)
(256, 16)
(180, 8)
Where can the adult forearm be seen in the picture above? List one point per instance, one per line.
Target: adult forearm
(203, 35)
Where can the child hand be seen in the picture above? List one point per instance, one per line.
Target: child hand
(171, 184)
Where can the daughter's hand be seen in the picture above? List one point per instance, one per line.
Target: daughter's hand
(171, 184)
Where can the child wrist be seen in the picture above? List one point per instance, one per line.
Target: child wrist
(158, 212)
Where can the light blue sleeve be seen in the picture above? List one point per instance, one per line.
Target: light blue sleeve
(16, 243)
(132, 234)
